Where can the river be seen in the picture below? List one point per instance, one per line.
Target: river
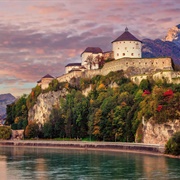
(20, 163)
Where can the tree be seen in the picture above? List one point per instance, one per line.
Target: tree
(32, 130)
(90, 61)
(5, 132)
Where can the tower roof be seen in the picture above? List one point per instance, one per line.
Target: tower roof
(73, 64)
(126, 36)
(94, 50)
(48, 76)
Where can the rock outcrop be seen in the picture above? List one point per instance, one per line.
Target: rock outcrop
(173, 35)
(17, 135)
(159, 133)
(41, 111)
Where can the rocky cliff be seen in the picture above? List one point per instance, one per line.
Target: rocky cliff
(159, 133)
(41, 111)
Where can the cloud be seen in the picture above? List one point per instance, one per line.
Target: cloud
(40, 37)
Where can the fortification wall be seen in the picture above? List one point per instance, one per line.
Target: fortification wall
(143, 64)
(91, 73)
(137, 79)
(67, 77)
(142, 67)
(170, 76)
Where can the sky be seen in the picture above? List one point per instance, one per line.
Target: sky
(39, 37)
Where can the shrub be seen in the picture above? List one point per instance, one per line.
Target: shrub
(32, 130)
(173, 145)
(5, 132)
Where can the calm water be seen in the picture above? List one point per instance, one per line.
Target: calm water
(17, 163)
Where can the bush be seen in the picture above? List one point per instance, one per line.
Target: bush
(5, 132)
(32, 130)
(173, 145)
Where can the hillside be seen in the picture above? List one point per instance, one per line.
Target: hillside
(104, 108)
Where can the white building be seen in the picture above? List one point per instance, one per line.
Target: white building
(72, 66)
(126, 45)
(89, 57)
(44, 82)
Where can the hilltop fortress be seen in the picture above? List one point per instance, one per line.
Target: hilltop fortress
(126, 55)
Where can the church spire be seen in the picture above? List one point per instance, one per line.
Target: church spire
(126, 29)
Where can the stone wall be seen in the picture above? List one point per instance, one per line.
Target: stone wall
(69, 76)
(136, 68)
(142, 65)
(159, 133)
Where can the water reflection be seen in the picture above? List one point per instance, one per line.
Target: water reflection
(40, 163)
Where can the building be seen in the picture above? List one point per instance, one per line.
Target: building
(125, 55)
(89, 57)
(44, 82)
(126, 45)
(72, 66)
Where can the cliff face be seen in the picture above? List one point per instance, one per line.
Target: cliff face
(41, 111)
(159, 133)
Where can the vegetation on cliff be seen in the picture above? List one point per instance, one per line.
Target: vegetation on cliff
(112, 111)
(173, 145)
(17, 114)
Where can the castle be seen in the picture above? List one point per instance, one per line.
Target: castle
(126, 55)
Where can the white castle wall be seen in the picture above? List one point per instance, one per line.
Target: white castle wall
(123, 49)
(69, 68)
(85, 55)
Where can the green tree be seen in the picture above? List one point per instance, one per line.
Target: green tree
(32, 130)
(5, 132)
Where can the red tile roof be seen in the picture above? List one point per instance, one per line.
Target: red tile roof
(126, 36)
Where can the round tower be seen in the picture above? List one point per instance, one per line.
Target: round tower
(126, 45)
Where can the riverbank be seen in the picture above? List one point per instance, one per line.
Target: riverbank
(107, 146)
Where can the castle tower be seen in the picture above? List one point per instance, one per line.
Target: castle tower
(89, 57)
(126, 45)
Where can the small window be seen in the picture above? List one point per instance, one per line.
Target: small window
(124, 41)
(137, 46)
(123, 54)
(125, 48)
(132, 54)
(117, 54)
